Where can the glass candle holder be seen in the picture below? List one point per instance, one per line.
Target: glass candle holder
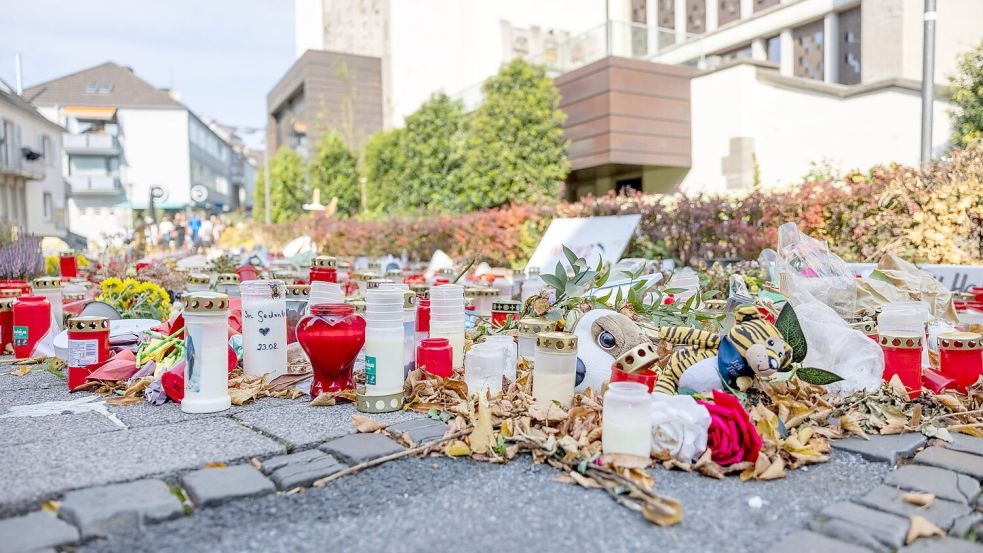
(264, 328)
(484, 367)
(50, 289)
(626, 423)
(331, 336)
(528, 329)
(510, 349)
(504, 312)
(961, 357)
(32, 325)
(518, 276)
(383, 350)
(483, 298)
(6, 324)
(532, 285)
(228, 284)
(447, 318)
(298, 296)
(197, 282)
(503, 284)
(68, 264)
(409, 331)
(436, 356)
(362, 278)
(206, 347)
(88, 347)
(638, 365)
(555, 367)
(422, 319)
(324, 268)
(903, 357)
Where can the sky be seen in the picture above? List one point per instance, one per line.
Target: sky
(222, 56)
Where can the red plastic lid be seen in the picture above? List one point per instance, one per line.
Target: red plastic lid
(435, 343)
(334, 309)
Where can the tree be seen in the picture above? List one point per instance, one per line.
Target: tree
(382, 169)
(967, 97)
(287, 191)
(334, 171)
(515, 148)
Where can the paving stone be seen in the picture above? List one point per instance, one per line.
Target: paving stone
(858, 524)
(885, 449)
(216, 485)
(358, 448)
(967, 444)
(889, 499)
(963, 525)
(35, 531)
(300, 469)
(958, 461)
(945, 484)
(805, 541)
(30, 396)
(25, 430)
(105, 510)
(420, 430)
(38, 471)
(145, 414)
(943, 545)
(305, 426)
(35, 379)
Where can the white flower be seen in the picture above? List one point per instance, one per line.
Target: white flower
(679, 427)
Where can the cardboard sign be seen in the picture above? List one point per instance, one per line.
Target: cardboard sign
(957, 278)
(588, 237)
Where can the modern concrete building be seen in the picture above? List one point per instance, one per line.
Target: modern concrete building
(702, 95)
(126, 138)
(32, 190)
(325, 91)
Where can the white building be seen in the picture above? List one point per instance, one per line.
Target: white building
(32, 190)
(125, 138)
(706, 95)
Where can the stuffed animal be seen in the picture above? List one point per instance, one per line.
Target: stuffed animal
(752, 347)
(603, 336)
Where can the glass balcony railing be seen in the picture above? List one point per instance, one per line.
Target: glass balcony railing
(91, 143)
(94, 184)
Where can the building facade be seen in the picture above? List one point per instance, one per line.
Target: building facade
(127, 139)
(32, 190)
(697, 95)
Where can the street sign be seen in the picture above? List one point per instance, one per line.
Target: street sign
(199, 193)
(158, 192)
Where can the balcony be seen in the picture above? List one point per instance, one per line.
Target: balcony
(94, 185)
(19, 166)
(91, 144)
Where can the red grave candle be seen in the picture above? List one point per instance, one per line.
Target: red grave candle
(505, 311)
(32, 320)
(961, 357)
(324, 269)
(869, 328)
(637, 365)
(436, 356)
(6, 323)
(903, 357)
(88, 347)
(331, 336)
(68, 263)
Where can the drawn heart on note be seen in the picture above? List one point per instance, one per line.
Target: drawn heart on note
(264, 331)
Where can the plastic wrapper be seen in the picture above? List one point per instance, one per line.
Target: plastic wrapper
(809, 265)
(898, 280)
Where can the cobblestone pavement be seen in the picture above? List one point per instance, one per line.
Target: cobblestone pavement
(143, 483)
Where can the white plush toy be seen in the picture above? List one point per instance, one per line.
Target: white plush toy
(602, 336)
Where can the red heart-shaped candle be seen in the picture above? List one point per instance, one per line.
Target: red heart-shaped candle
(332, 335)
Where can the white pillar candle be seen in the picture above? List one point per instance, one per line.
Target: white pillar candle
(264, 328)
(206, 346)
(50, 289)
(554, 373)
(626, 423)
(383, 342)
(510, 349)
(454, 332)
(484, 366)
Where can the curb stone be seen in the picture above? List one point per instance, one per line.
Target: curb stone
(958, 461)
(358, 448)
(213, 486)
(103, 510)
(300, 469)
(887, 449)
(35, 531)
(805, 541)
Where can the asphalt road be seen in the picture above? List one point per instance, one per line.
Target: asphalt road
(440, 504)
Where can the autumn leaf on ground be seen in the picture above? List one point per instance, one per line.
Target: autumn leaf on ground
(482, 439)
(547, 411)
(666, 512)
(457, 448)
(21, 371)
(216, 465)
(850, 425)
(917, 498)
(365, 424)
(921, 528)
(51, 506)
(256, 463)
(625, 460)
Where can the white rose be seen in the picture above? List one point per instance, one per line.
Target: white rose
(679, 426)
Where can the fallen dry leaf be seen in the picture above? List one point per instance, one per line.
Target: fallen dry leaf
(850, 425)
(482, 439)
(51, 506)
(666, 512)
(256, 463)
(547, 411)
(21, 371)
(921, 528)
(951, 402)
(216, 465)
(457, 448)
(124, 400)
(365, 424)
(774, 471)
(917, 498)
(624, 460)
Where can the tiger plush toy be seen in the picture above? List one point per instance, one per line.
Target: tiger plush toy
(758, 347)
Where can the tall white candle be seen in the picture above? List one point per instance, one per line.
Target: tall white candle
(206, 367)
(264, 328)
(626, 425)
(554, 373)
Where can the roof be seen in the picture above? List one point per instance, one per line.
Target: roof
(108, 84)
(11, 98)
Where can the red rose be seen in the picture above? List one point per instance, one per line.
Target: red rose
(731, 436)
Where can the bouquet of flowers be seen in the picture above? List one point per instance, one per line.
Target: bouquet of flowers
(136, 299)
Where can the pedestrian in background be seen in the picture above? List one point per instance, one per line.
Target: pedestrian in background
(166, 230)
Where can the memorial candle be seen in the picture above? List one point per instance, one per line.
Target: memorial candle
(264, 328)
(206, 347)
(554, 372)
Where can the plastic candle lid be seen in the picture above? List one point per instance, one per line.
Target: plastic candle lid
(562, 342)
(198, 278)
(88, 324)
(638, 358)
(298, 290)
(325, 261)
(900, 340)
(960, 341)
(206, 302)
(228, 278)
(47, 283)
(507, 306)
(534, 326)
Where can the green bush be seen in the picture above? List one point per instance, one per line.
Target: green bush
(967, 97)
(334, 171)
(287, 193)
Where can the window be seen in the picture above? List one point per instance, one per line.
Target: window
(48, 205)
(92, 87)
(696, 16)
(44, 148)
(628, 185)
(848, 68)
(741, 53)
(808, 47)
(4, 143)
(105, 88)
(773, 49)
(727, 11)
(763, 4)
(667, 14)
(93, 166)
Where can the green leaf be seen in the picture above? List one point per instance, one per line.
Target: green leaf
(571, 257)
(561, 274)
(813, 375)
(553, 281)
(788, 326)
